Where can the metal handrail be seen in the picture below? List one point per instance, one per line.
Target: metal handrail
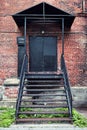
(67, 84)
(22, 76)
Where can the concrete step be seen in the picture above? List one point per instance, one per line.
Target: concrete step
(60, 126)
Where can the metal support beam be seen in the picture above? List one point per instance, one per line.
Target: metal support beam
(47, 15)
(25, 37)
(63, 36)
(43, 10)
(25, 33)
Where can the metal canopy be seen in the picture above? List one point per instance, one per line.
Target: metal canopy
(43, 12)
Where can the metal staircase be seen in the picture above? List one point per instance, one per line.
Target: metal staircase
(44, 97)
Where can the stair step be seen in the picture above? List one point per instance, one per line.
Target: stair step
(46, 100)
(44, 85)
(44, 106)
(42, 94)
(43, 76)
(43, 112)
(39, 90)
(43, 81)
(25, 120)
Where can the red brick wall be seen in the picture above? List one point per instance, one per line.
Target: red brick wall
(86, 5)
(75, 39)
(76, 52)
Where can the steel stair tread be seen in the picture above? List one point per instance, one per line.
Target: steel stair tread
(43, 76)
(44, 106)
(44, 85)
(46, 100)
(38, 90)
(43, 119)
(43, 112)
(44, 95)
(43, 81)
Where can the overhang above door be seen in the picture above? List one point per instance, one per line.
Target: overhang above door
(43, 12)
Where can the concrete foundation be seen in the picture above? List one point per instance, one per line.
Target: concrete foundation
(79, 95)
(9, 92)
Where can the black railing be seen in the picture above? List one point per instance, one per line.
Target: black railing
(21, 84)
(67, 84)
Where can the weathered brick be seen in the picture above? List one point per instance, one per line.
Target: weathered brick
(75, 39)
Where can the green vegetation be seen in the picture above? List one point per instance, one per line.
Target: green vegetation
(78, 119)
(7, 116)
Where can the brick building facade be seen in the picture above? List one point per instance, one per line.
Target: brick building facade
(75, 39)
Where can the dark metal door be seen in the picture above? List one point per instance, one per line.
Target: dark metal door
(43, 54)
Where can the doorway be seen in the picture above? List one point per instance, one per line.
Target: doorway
(43, 54)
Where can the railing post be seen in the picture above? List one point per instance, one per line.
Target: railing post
(22, 76)
(67, 84)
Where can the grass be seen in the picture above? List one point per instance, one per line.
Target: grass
(78, 119)
(7, 116)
